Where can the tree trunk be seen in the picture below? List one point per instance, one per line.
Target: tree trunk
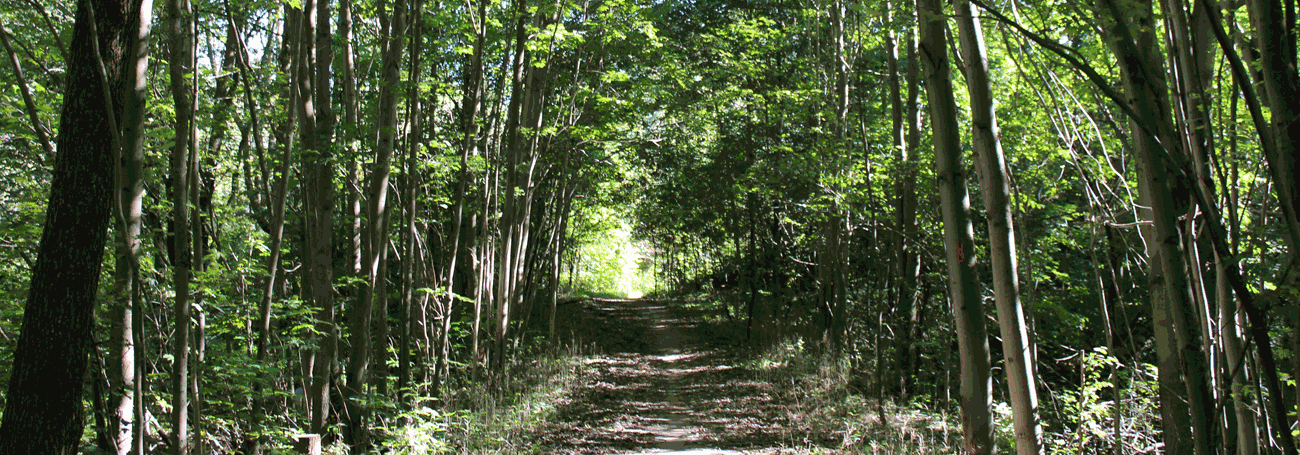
(375, 232)
(411, 186)
(276, 231)
(911, 258)
(1184, 394)
(993, 173)
(318, 186)
(972, 339)
(1275, 36)
(471, 102)
(181, 35)
(42, 412)
(123, 375)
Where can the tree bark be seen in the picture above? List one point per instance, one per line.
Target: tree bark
(319, 207)
(1275, 36)
(1184, 394)
(181, 35)
(43, 412)
(911, 259)
(972, 339)
(277, 207)
(375, 236)
(993, 173)
(125, 380)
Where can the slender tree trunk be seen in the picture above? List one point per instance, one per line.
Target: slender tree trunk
(1184, 394)
(911, 259)
(904, 284)
(181, 35)
(1275, 36)
(411, 184)
(263, 324)
(471, 102)
(972, 339)
(993, 174)
(128, 206)
(510, 203)
(375, 236)
(318, 183)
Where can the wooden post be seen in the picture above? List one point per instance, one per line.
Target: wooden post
(307, 443)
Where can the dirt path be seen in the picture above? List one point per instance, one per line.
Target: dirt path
(667, 384)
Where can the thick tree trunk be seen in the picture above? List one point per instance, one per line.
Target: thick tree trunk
(43, 412)
(972, 339)
(993, 174)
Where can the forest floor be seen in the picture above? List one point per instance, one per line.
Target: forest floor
(668, 378)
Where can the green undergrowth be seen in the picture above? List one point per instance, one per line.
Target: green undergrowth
(497, 416)
(826, 398)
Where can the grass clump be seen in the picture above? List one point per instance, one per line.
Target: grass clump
(828, 398)
(497, 415)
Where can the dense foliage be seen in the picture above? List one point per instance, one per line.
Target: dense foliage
(373, 253)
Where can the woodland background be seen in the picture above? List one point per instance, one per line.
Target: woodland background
(358, 218)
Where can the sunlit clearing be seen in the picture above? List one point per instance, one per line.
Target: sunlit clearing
(608, 260)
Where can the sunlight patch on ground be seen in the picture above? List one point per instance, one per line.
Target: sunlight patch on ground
(673, 357)
(696, 452)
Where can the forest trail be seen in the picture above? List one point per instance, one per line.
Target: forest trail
(667, 382)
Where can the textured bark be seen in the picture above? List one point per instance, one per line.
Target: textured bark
(43, 412)
(994, 176)
(972, 338)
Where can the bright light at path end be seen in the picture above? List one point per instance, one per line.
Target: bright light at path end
(635, 294)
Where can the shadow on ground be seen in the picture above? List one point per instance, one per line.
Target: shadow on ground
(667, 381)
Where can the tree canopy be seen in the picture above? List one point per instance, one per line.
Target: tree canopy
(359, 219)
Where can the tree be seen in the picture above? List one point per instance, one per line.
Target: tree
(181, 34)
(993, 174)
(42, 412)
(126, 378)
(958, 234)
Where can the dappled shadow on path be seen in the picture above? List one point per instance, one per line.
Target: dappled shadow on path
(665, 383)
